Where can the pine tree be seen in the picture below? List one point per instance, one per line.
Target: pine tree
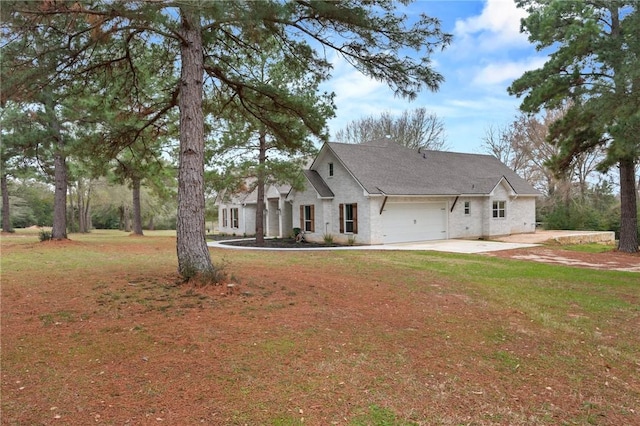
(594, 73)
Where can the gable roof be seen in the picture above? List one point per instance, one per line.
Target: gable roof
(318, 183)
(387, 168)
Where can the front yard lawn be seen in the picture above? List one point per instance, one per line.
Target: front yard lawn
(99, 330)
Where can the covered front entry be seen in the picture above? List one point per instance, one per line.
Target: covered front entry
(278, 218)
(406, 222)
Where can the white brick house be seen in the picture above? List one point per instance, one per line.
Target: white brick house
(381, 192)
(237, 212)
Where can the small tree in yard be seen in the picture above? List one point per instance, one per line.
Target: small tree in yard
(253, 154)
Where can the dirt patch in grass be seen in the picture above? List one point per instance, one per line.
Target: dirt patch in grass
(317, 338)
(607, 260)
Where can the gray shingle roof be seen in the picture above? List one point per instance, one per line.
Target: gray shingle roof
(318, 183)
(385, 167)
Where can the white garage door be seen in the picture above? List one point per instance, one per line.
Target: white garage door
(404, 222)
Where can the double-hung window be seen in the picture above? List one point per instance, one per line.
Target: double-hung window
(234, 218)
(349, 218)
(499, 210)
(225, 218)
(307, 219)
(467, 208)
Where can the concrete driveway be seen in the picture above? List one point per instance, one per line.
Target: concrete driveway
(451, 246)
(456, 246)
(467, 246)
(507, 243)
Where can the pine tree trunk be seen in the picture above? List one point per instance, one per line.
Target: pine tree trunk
(71, 223)
(86, 212)
(59, 229)
(629, 208)
(84, 197)
(194, 259)
(137, 216)
(6, 217)
(121, 224)
(82, 226)
(126, 218)
(262, 157)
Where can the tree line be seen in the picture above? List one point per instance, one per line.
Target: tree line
(578, 197)
(98, 203)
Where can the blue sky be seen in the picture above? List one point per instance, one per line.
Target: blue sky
(486, 55)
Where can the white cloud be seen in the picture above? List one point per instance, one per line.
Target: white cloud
(497, 27)
(354, 84)
(349, 83)
(466, 104)
(357, 95)
(481, 106)
(501, 72)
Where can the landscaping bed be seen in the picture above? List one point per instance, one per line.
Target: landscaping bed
(288, 243)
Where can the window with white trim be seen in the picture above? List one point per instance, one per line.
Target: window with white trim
(499, 210)
(330, 169)
(467, 208)
(225, 218)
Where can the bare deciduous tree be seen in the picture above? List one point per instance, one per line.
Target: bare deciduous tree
(416, 128)
(524, 147)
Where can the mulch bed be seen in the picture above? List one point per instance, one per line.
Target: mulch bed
(269, 242)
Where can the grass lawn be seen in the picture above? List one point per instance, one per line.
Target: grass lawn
(99, 330)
